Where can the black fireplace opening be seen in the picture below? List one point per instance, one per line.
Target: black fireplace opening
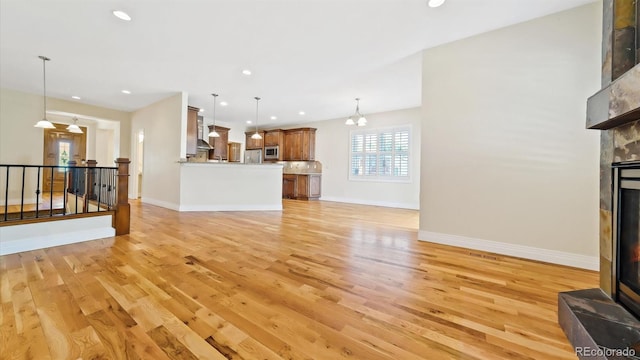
(627, 235)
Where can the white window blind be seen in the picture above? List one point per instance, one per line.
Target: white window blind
(380, 154)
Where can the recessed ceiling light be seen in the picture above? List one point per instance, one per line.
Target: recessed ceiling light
(248, 121)
(246, 72)
(201, 110)
(76, 97)
(121, 15)
(126, 92)
(223, 103)
(301, 113)
(274, 117)
(435, 3)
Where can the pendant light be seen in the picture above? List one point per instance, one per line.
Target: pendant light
(362, 121)
(44, 123)
(74, 128)
(213, 132)
(256, 136)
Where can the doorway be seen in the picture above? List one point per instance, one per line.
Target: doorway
(140, 160)
(60, 147)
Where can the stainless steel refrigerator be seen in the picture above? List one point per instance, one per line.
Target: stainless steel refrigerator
(253, 156)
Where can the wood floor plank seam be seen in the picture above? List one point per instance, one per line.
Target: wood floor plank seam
(318, 280)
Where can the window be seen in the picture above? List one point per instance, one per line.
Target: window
(64, 151)
(380, 154)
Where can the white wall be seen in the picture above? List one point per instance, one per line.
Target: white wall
(332, 150)
(230, 187)
(162, 124)
(21, 143)
(505, 154)
(105, 147)
(20, 111)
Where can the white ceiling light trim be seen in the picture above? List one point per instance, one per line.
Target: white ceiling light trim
(121, 15)
(435, 3)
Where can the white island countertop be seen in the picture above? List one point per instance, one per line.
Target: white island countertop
(224, 186)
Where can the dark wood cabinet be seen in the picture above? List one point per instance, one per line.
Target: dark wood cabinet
(301, 186)
(273, 137)
(219, 144)
(192, 131)
(234, 151)
(289, 186)
(299, 144)
(253, 144)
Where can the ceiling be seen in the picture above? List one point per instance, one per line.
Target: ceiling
(314, 56)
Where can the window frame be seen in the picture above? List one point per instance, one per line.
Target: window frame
(378, 131)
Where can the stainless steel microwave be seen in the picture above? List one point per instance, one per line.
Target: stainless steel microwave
(271, 152)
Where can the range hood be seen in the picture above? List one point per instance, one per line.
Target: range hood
(202, 145)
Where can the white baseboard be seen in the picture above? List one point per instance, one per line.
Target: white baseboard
(522, 251)
(247, 207)
(372, 202)
(27, 237)
(161, 203)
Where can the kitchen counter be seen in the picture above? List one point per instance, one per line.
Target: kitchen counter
(224, 186)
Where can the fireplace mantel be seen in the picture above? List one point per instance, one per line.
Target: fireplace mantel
(616, 104)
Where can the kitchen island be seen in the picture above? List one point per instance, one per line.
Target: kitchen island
(222, 186)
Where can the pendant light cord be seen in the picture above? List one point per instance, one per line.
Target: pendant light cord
(215, 99)
(257, 101)
(44, 80)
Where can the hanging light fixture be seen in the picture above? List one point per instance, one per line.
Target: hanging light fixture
(213, 132)
(74, 128)
(44, 123)
(362, 121)
(256, 136)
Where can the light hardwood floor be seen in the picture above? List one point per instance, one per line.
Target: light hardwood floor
(319, 280)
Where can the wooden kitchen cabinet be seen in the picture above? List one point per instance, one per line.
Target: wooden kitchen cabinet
(219, 144)
(308, 187)
(289, 186)
(192, 130)
(274, 137)
(301, 186)
(234, 151)
(299, 144)
(253, 144)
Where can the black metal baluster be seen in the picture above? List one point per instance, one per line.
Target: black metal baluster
(75, 186)
(65, 189)
(6, 196)
(51, 194)
(38, 192)
(99, 187)
(24, 169)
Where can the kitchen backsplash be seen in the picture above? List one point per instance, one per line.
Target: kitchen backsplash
(301, 167)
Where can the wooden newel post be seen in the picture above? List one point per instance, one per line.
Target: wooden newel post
(122, 218)
(91, 179)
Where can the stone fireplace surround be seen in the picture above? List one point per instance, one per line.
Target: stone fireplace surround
(590, 318)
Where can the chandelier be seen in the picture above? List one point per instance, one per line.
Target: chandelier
(362, 121)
